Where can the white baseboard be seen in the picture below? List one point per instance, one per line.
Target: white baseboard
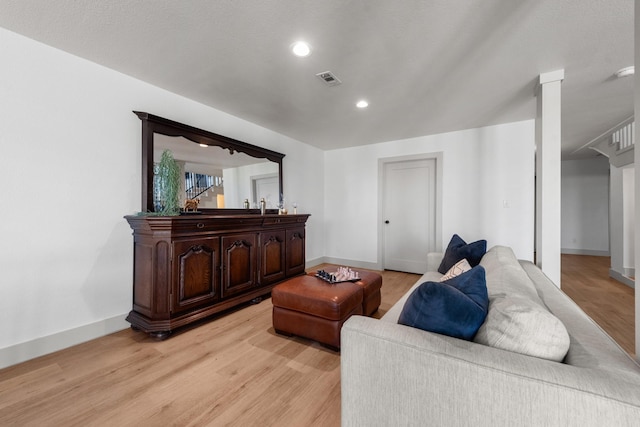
(622, 278)
(44, 345)
(584, 252)
(342, 261)
(313, 262)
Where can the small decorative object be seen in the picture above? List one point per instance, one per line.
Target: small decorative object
(191, 204)
(263, 206)
(295, 208)
(169, 184)
(246, 203)
(343, 274)
(281, 206)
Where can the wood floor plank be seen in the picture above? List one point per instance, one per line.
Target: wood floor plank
(608, 302)
(233, 370)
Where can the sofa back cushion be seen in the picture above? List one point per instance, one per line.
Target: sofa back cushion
(505, 275)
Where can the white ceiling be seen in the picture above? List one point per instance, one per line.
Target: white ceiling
(424, 66)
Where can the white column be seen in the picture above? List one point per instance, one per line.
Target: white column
(629, 222)
(548, 138)
(616, 222)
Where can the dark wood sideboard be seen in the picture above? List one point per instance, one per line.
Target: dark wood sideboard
(190, 267)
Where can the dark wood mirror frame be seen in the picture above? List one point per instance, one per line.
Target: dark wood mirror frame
(152, 124)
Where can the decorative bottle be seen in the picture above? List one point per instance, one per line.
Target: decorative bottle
(263, 206)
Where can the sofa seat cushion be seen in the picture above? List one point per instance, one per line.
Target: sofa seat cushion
(517, 324)
(458, 250)
(456, 307)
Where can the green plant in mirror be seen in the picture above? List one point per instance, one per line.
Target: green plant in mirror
(169, 184)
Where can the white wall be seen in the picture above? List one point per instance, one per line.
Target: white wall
(70, 170)
(636, 155)
(240, 181)
(585, 206)
(484, 170)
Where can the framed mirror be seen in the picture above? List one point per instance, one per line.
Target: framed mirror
(220, 172)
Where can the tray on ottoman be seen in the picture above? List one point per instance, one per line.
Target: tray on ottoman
(312, 308)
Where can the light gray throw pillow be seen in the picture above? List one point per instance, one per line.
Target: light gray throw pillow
(518, 324)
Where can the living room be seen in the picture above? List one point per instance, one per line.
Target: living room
(71, 153)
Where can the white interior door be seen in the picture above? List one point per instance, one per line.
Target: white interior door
(408, 209)
(267, 187)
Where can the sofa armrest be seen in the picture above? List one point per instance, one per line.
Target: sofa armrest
(433, 260)
(396, 375)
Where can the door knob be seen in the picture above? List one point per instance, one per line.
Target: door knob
(386, 222)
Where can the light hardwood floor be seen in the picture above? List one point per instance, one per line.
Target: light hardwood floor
(231, 371)
(610, 303)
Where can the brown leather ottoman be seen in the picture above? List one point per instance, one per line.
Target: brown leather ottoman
(371, 283)
(312, 308)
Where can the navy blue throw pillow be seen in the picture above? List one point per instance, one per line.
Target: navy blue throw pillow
(456, 307)
(458, 250)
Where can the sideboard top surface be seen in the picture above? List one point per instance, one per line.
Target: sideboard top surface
(212, 222)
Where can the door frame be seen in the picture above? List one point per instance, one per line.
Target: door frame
(438, 157)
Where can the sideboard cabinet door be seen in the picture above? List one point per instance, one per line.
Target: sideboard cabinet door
(295, 251)
(272, 256)
(239, 263)
(195, 273)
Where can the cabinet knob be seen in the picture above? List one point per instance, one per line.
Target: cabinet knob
(200, 225)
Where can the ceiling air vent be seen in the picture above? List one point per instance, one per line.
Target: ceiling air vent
(329, 78)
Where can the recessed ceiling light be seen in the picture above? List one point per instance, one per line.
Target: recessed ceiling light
(362, 104)
(301, 49)
(626, 71)
(204, 145)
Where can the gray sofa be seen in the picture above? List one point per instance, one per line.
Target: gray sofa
(395, 375)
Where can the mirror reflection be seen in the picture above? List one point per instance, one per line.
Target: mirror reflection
(218, 170)
(217, 178)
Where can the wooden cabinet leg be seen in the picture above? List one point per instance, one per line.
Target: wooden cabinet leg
(160, 335)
